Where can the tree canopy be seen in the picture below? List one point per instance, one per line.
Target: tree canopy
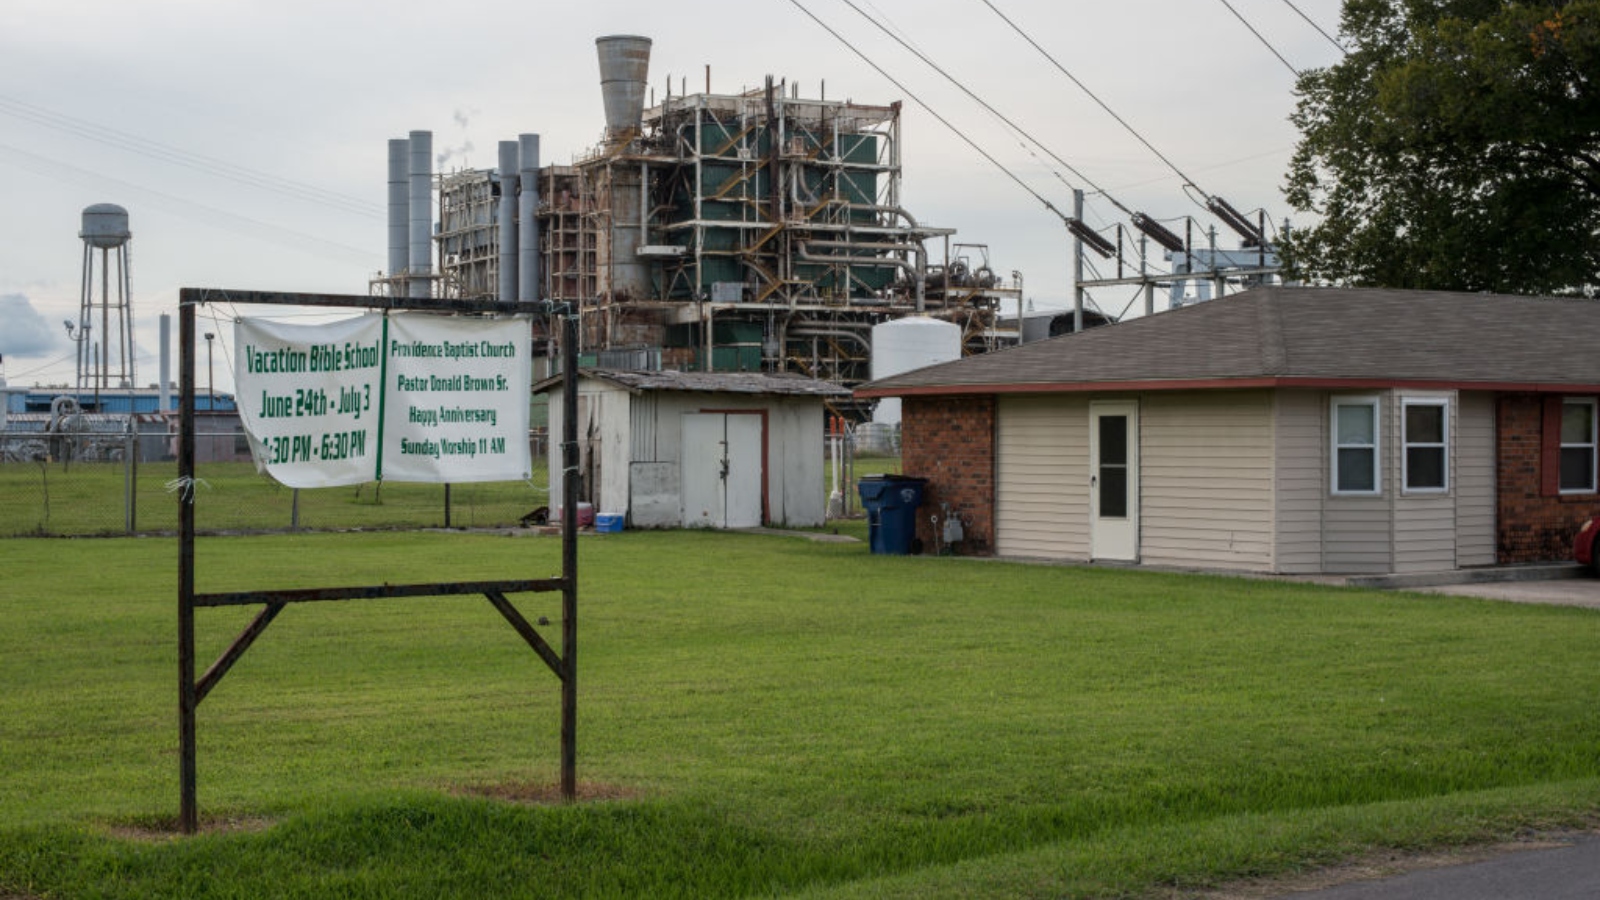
(1456, 147)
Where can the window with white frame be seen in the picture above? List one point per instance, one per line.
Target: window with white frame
(1578, 446)
(1355, 446)
(1427, 445)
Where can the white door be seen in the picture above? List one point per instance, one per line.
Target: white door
(721, 468)
(1114, 480)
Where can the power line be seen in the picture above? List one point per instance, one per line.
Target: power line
(166, 153)
(1259, 37)
(992, 111)
(1313, 24)
(1092, 95)
(285, 237)
(942, 120)
(1213, 203)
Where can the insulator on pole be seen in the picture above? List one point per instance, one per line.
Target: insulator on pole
(1090, 238)
(1234, 219)
(1157, 232)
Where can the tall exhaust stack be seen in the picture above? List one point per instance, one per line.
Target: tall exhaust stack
(528, 219)
(506, 285)
(165, 356)
(399, 211)
(624, 66)
(421, 255)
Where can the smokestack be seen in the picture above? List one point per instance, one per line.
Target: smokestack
(506, 288)
(421, 256)
(528, 220)
(165, 356)
(624, 66)
(399, 209)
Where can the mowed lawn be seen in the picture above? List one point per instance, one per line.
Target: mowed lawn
(764, 716)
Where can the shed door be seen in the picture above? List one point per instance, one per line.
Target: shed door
(1114, 480)
(721, 470)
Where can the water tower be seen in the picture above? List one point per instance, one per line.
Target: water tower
(104, 331)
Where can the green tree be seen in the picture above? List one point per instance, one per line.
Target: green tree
(1456, 147)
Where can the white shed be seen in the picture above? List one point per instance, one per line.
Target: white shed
(699, 450)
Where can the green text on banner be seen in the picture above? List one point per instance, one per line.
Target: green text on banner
(419, 398)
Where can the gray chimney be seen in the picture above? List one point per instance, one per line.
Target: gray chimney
(421, 213)
(528, 220)
(624, 68)
(506, 288)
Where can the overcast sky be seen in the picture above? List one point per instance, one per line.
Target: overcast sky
(248, 138)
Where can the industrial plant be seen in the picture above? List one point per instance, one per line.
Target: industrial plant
(753, 232)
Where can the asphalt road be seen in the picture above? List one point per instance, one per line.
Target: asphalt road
(1563, 591)
(1571, 872)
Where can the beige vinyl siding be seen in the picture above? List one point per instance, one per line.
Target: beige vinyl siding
(1206, 479)
(1301, 438)
(1356, 536)
(1424, 523)
(1425, 534)
(1358, 531)
(1475, 480)
(1042, 477)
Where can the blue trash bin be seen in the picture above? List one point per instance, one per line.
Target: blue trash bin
(891, 503)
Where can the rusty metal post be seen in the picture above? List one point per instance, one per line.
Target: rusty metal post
(569, 555)
(188, 812)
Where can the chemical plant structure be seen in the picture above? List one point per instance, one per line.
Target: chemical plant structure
(751, 232)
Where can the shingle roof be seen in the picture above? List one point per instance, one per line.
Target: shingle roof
(1283, 336)
(712, 382)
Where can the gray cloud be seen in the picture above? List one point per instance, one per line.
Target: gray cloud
(23, 332)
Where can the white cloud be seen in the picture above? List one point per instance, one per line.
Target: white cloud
(24, 332)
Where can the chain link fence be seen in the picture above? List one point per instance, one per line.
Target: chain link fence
(855, 451)
(126, 483)
(113, 483)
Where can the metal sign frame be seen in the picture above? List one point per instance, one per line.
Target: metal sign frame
(192, 690)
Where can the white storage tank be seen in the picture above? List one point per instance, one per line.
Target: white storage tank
(906, 344)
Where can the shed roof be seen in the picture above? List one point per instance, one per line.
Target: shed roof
(708, 382)
(1291, 336)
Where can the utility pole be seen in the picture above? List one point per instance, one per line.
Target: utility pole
(211, 393)
(1077, 264)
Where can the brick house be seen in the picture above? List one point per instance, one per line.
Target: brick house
(1290, 430)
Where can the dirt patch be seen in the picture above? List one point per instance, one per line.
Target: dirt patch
(1371, 867)
(544, 794)
(166, 828)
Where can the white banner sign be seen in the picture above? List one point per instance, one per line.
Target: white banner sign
(404, 398)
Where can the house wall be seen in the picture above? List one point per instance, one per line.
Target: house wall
(1206, 479)
(655, 491)
(1229, 479)
(1475, 479)
(1358, 531)
(951, 442)
(631, 449)
(604, 426)
(1398, 530)
(1424, 523)
(1300, 485)
(796, 463)
(1532, 526)
(1042, 472)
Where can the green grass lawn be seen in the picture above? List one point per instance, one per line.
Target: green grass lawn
(765, 716)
